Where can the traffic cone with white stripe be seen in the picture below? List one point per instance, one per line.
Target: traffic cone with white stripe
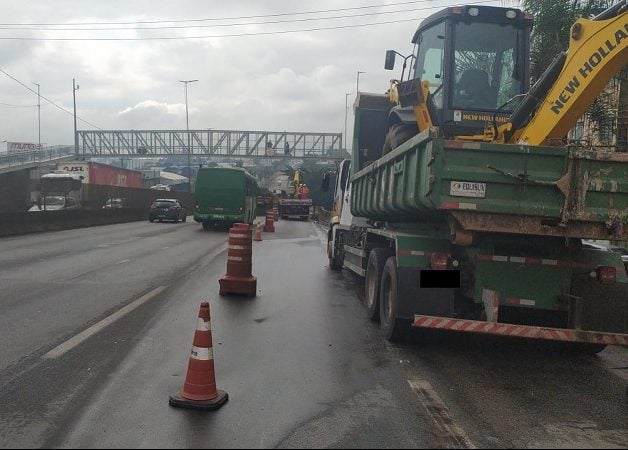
(258, 233)
(199, 390)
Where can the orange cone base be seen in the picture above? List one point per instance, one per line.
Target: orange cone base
(205, 405)
(239, 286)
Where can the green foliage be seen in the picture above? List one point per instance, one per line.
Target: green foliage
(552, 24)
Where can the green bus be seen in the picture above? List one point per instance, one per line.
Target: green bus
(224, 196)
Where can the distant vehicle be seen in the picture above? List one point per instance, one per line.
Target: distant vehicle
(167, 209)
(59, 191)
(114, 203)
(298, 206)
(102, 174)
(55, 203)
(88, 183)
(224, 195)
(161, 187)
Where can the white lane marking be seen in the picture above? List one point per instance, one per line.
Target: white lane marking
(68, 345)
(123, 261)
(444, 425)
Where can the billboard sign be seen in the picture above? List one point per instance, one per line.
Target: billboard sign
(22, 147)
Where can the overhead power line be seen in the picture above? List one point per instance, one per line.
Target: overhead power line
(259, 33)
(260, 16)
(270, 22)
(49, 101)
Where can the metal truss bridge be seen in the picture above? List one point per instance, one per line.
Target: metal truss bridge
(209, 142)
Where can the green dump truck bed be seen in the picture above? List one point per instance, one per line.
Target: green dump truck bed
(561, 191)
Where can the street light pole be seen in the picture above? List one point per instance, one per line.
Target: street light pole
(38, 116)
(357, 82)
(74, 89)
(347, 94)
(187, 126)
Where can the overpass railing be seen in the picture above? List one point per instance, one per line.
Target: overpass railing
(209, 142)
(36, 156)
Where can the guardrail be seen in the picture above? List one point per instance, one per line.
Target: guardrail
(34, 157)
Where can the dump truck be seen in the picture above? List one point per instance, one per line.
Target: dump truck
(462, 211)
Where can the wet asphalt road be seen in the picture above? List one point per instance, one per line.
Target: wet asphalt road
(302, 365)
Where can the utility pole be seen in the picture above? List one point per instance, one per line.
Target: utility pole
(187, 126)
(347, 94)
(38, 116)
(75, 88)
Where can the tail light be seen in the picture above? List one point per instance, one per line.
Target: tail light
(197, 205)
(241, 208)
(439, 261)
(606, 274)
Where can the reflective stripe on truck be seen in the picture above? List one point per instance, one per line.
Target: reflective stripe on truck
(523, 331)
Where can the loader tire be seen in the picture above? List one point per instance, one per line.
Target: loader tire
(398, 133)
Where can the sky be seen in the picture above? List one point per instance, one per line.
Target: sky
(261, 65)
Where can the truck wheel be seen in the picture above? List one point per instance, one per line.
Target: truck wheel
(394, 329)
(372, 281)
(398, 133)
(205, 225)
(185, 219)
(335, 261)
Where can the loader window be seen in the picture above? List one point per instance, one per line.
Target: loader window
(429, 63)
(484, 65)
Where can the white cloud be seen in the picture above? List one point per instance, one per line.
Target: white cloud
(285, 81)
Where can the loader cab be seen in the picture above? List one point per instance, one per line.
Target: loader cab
(475, 60)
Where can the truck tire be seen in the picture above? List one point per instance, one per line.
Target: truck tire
(372, 281)
(393, 329)
(398, 133)
(206, 225)
(335, 261)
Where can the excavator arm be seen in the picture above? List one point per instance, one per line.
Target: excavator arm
(598, 49)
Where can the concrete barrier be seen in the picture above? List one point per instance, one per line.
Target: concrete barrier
(16, 223)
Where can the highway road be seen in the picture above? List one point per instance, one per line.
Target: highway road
(97, 325)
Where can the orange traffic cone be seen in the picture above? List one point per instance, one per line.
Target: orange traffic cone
(258, 233)
(199, 390)
(269, 225)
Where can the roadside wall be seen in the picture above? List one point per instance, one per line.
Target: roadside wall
(21, 222)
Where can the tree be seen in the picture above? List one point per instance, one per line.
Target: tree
(552, 24)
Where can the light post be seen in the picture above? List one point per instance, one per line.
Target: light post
(38, 116)
(187, 126)
(75, 88)
(347, 94)
(357, 82)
